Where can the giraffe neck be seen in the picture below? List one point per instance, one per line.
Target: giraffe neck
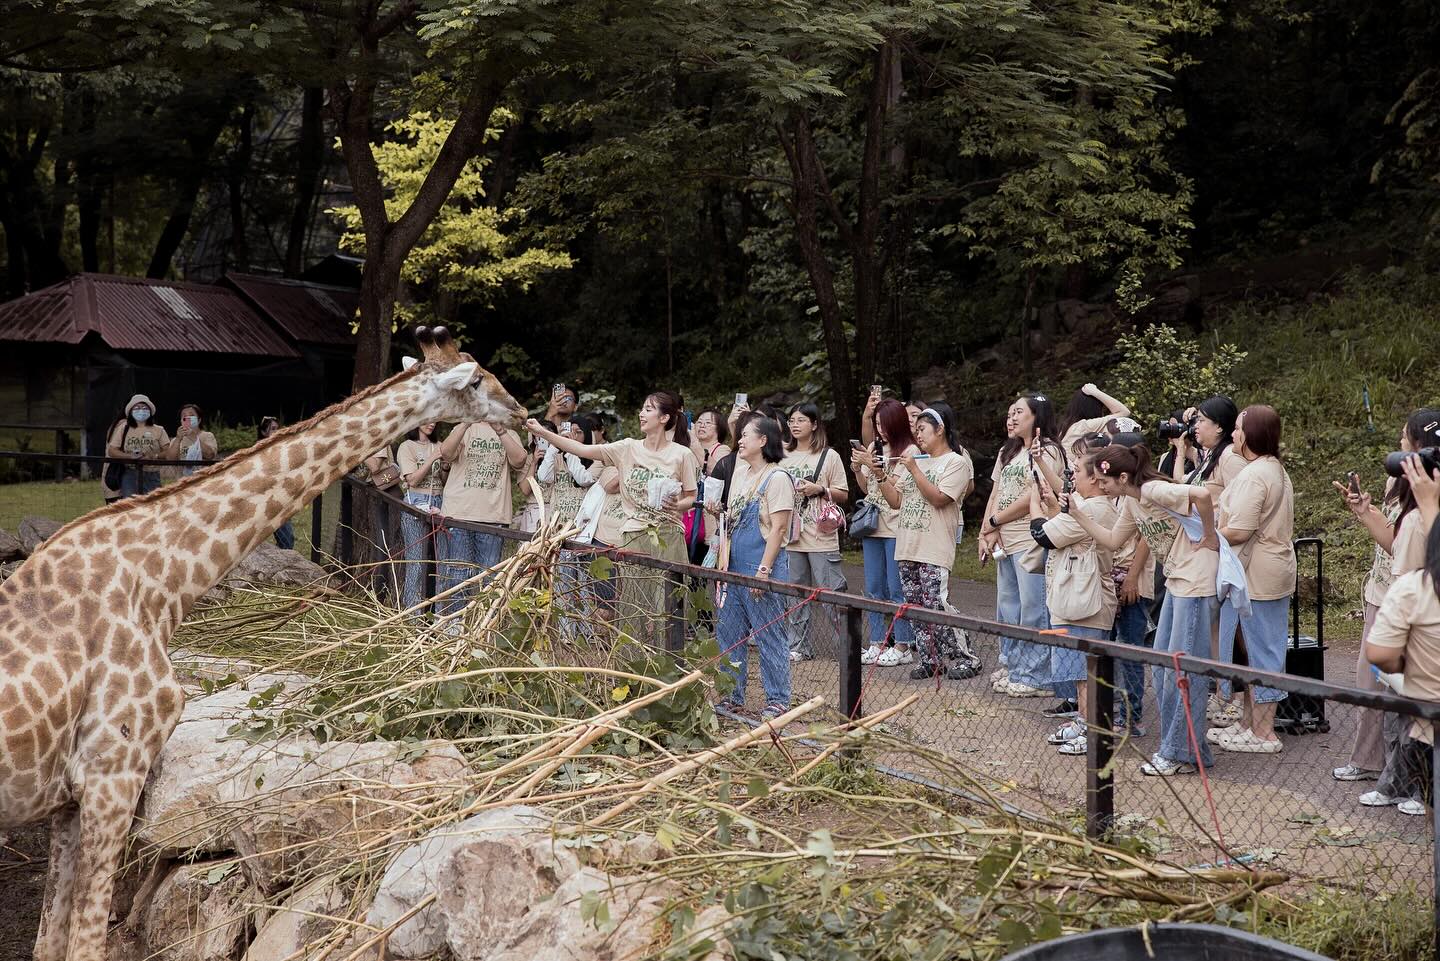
(203, 528)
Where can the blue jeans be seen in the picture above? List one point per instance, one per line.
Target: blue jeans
(744, 615)
(882, 583)
(1020, 600)
(413, 532)
(1132, 626)
(1070, 665)
(465, 553)
(1267, 635)
(1184, 627)
(285, 536)
(137, 480)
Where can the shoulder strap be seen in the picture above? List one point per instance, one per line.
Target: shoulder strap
(819, 466)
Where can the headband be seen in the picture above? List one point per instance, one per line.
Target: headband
(939, 421)
(1126, 425)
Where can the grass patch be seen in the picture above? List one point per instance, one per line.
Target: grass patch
(1354, 926)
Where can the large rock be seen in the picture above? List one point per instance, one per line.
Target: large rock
(199, 913)
(268, 566)
(303, 920)
(10, 547)
(559, 928)
(343, 795)
(34, 530)
(488, 871)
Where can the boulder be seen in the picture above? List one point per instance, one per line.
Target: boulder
(34, 530)
(294, 925)
(488, 871)
(342, 794)
(10, 547)
(199, 913)
(268, 566)
(193, 666)
(623, 926)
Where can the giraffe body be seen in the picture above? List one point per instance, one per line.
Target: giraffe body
(87, 694)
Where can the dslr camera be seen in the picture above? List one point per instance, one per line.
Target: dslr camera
(1429, 459)
(1169, 431)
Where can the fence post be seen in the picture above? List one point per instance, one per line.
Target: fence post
(317, 519)
(1099, 780)
(1435, 839)
(61, 447)
(675, 613)
(347, 530)
(851, 675)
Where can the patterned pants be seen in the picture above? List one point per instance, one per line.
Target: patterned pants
(928, 586)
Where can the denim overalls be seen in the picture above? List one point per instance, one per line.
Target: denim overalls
(743, 613)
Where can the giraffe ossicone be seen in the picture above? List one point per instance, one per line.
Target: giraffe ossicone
(87, 694)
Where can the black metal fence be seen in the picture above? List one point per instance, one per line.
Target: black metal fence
(1284, 810)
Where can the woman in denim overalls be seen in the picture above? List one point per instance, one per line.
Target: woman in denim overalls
(756, 548)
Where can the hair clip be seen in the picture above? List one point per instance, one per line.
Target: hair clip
(1105, 466)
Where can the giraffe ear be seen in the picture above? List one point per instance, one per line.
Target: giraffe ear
(408, 362)
(457, 377)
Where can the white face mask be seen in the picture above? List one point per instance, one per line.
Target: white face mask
(140, 414)
(192, 422)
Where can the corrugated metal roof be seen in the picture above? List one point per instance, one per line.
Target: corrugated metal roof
(310, 313)
(131, 313)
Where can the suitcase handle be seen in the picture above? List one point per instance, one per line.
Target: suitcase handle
(1319, 544)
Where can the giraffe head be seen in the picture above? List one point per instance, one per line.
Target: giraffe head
(456, 388)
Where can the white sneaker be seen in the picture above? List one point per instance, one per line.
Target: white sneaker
(1067, 732)
(1025, 690)
(895, 656)
(1216, 733)
(1077, 745)
(796, 657)
(1001, 676)
(1411, 807)
(870, 654)
(1352, 773)
(1376, 799)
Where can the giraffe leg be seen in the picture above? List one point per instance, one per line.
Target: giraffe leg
(50, 943)
(105, 817)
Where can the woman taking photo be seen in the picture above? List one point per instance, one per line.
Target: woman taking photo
(818, 475)
(709, 443)
(1005, 537)
(758, 522)
(1257, 518)
(1372, 735)
(1191, 606)
(890, 426)
(927, 491)
(423, 472)
(191, 441)
(657, 486)
(1079, 587)
(138, 437)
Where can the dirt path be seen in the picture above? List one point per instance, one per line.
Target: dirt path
(22, 880)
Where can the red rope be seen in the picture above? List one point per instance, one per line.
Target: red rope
(1182, 682)
(775, 620)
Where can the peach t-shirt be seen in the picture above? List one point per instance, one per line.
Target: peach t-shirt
(925, 533)
(1065, 532)
(888, 515)
(800, 465)
(1189, 570)
(638, 465)
(1382, 566)
(1013, 483)
(608, 530)
(778, 494)
(1261, 499)
(1409, 621)
(478, 488)
(1408, 549)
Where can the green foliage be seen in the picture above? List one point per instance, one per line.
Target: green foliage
(1355, 926)
(1416, 162)
(1162, 371)
(467, 251)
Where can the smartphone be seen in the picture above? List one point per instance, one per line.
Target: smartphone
(742, 400)
(558, 389)
(1354, 483)
(856, 445)
(876, 389)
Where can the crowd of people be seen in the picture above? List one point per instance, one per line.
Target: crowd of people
(1089, 534)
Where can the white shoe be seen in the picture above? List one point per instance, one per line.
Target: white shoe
(1352, 773)
(1376, 799)
(894, 657)
(1001, 676)
(1067, 732)
(1248, 742)
(1411, 807)
(871, 654)
(1078, 745)
(796, 657)
(1216, 733)
(1024, 690)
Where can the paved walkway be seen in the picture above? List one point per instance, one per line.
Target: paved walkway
(1284, 809)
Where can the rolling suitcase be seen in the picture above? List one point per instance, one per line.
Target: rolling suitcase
(1305, 655)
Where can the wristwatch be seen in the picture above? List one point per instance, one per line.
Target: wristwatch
(994, 522)
(762, 569)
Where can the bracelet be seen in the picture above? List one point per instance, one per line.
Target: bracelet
(762, 569)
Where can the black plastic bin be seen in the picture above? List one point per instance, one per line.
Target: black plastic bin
(1169, 942)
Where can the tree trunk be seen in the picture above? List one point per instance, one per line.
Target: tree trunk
(200, 144)
(235, 187)
(799, 148)
(309, 161)
(89, 190)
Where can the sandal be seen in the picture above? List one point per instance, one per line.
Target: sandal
(1247, 742)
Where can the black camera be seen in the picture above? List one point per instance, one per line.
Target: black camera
(1429, 459)
(1169, 431)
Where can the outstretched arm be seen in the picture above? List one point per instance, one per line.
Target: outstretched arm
(567, 444)
(1111, 404)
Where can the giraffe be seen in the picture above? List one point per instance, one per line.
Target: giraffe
(87, 694)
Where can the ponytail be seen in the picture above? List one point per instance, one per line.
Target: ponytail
(1117, 459)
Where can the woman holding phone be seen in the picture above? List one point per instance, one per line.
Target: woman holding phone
(892, 438)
